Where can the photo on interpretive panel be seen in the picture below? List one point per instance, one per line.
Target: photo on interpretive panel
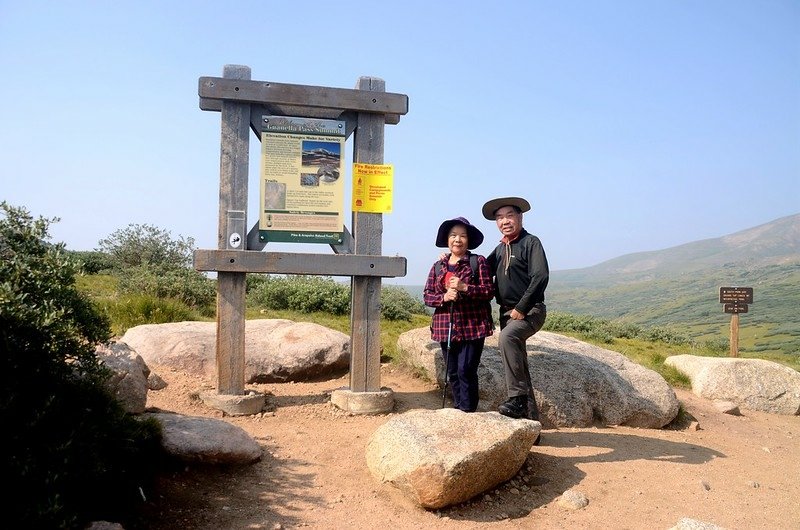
(274, 195)
(309, 179)
(326, 156)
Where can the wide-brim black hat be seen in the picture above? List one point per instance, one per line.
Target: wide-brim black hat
(495, 204)
(474, 236)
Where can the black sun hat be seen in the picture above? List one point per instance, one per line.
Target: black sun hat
(474, 236)
(495, 204)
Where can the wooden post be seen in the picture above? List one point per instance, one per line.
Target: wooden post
(735, 335)
(365, 343)
(234, 161)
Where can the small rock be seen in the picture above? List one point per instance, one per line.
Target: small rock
(693, 524)
(573, 500)
(727, 407)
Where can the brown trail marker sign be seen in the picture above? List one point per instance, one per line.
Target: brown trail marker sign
(735, 300)
(243, 104)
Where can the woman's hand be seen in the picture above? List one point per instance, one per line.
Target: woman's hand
(457, 284)
(451, 295)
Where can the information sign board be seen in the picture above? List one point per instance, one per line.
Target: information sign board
(732, 295)
(302, 186)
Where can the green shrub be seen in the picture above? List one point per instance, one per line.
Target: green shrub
(255, 280)
(606, 331)
(309, 294)
(305, 294)
(92, 261)
(186, 285)
(72, 454)
(398, 304)
(142, 245)
(135, 310)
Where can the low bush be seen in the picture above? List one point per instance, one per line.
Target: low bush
(305, 294)
(138, 309)
(175, 283)
(93, 261)
(310, 294)
(606, 331)
(147, 245)
(398, 304)
(72, 455)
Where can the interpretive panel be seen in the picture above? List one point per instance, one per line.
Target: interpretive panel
(302, 186)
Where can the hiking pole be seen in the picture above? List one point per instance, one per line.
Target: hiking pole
(447, 354)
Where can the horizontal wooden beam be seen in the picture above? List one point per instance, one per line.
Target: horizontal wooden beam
(297, 263)
(215, 105)
(264, 92)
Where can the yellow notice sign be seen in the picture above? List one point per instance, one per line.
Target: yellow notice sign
(372, 188)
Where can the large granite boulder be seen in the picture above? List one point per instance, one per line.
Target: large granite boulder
(442, 457)
(754, 384)
(194, 439)
(130, 376)
(576, 384)
(276, 350)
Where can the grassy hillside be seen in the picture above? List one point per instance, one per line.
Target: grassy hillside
(690, 304)
(678, 288)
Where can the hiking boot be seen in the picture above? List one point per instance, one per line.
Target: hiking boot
(533, 414)
(516, 407)
(533, 410)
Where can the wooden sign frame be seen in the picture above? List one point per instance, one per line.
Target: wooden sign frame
(242, 102)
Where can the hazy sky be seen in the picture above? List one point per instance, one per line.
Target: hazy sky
(629, 125)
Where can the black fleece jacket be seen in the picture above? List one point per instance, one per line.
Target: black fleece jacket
(522, 284)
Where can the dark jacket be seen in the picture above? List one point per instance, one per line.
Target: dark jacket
(521, 285)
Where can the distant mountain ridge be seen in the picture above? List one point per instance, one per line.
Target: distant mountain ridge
(678, 287)
(771, 243)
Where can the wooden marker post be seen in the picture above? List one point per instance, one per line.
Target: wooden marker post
(735, 300)
(735, 335)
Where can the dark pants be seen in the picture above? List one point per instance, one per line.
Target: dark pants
(513, 336)
(462, 361)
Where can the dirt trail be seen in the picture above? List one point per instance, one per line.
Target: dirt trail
(738, 472)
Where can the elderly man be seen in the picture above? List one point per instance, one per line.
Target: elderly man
(519, 267)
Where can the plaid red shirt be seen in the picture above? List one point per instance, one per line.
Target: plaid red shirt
(471, 313)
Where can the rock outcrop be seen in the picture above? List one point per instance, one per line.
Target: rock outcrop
(576, 384)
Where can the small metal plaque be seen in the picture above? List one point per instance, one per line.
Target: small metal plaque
(236, 229)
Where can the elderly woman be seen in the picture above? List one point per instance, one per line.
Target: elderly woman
(460, 290)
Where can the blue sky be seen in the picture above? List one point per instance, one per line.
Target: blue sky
(629, 125)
